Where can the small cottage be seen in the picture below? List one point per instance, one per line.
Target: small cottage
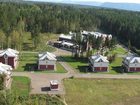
(131, 64)
(9, 57)
(47, 61)
(6, 70)
(98, 63)
(54, 85)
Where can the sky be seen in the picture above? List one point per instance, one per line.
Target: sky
(126, 1)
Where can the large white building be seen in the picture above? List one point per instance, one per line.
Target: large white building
(6, 70)
(96, 34)
(67, 38)
(131, 64)
(98, 63)
(47, 61)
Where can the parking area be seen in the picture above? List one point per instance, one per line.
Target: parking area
(40, 83)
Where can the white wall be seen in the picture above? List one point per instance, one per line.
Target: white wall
(101, 64)
(134, 65)
(46, 62)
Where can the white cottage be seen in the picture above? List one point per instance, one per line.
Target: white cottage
(98, 63)
(6, 70)
(54, 85)
(131, 64)
(9, 57)
(47, 61)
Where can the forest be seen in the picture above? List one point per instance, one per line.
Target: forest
(17, 18)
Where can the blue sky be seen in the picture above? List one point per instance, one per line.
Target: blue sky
(126, 1)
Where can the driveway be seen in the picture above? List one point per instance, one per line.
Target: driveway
(62, 52)
(40, 82)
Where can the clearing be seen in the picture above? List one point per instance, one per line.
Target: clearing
(102, 92)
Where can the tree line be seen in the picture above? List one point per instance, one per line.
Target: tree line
(16, 18)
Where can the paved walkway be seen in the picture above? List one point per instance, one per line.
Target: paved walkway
(109, 76)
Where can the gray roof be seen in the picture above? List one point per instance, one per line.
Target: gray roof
(133, 59)
(97, 58)
(47, 55)
(9, 52)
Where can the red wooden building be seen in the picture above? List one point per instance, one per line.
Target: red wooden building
(9, 57)
(47, 61)
(131, 64)
(98, 63)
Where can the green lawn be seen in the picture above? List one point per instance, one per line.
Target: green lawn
(118, 50)
(20, 85)
(115, 66)
(28, 62)
(79, 65)
(102, 92)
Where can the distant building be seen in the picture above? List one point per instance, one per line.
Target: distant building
(47, 61)
(131, 64)
(98, 63)
(9, 57)
(66, 38)
(54, 85)
(96, 34)
(6, 70)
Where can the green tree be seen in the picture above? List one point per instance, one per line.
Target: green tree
(15, 39)
(2, 39)
(2, 81)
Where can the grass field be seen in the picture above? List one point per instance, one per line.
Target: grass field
(102, 92)
(21, 85)
(28, 62)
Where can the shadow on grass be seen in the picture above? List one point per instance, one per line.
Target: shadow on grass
(83, 69)
(118, 69)
(72, 59)
(30, 67)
